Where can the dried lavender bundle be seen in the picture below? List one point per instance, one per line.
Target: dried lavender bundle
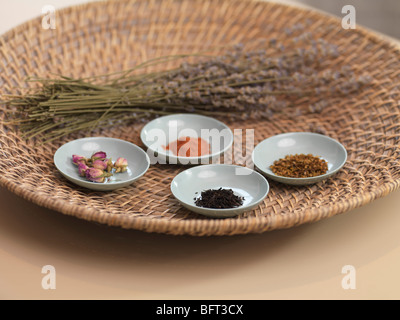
(240, 84)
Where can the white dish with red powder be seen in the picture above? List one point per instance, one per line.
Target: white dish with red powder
(187, 139)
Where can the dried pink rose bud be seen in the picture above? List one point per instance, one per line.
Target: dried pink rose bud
(121, 165)
(100, 155)
(82, 167)
(96, 175)
(77, 159)
(100, 164)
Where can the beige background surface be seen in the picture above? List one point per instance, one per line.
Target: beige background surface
(97, 262)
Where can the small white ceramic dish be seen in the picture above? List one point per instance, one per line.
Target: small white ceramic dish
(279, 146)
(138, 161)
(188, 185)
(160, 132)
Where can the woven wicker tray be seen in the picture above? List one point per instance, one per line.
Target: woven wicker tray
(103, 37)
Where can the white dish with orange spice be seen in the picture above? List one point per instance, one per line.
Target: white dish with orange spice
(187, 139)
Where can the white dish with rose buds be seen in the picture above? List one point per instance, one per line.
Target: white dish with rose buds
(101, 163)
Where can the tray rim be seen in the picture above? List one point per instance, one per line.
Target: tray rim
(181, 227)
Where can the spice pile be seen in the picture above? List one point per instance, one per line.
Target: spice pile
(300, 166)
(219, 199)
(98, 168)
(189, 147)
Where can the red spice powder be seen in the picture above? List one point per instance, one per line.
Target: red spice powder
(189, 147)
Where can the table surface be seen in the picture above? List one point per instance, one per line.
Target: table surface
(94, 261)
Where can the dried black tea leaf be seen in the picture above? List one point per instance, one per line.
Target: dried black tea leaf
(219, 199)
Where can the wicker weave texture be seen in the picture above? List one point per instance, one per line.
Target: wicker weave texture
(110, 36)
